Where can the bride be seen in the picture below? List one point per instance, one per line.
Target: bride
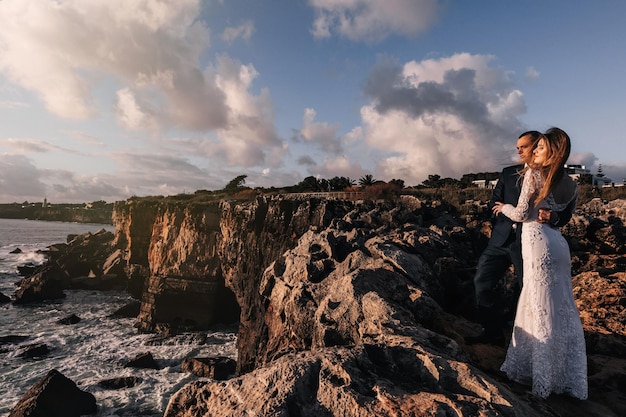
(547, 348)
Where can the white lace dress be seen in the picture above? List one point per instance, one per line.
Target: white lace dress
(547, 349)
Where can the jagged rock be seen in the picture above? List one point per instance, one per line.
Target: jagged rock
(16, 250)
(397, 379)
(381, 284)
(174, 250)
(54, 396)
(128, 311)
(219, 368)
(33, 350)
(253, 236)
(76, 264)
(12, 338)
(114, 265)
(71, 319)
(7, 341)
(27, 269)
(4, 299)
(46, 284)
(142, 360)
(120, 383)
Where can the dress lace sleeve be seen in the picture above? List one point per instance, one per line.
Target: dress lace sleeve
(524, 206)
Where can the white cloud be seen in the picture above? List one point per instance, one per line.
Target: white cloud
(531, 74)
(340, 166)
(12, 104)
(373, 20)
(243, 31)
(20, 179)
(25, 146)
(150, 50)
(321, 134)
(60, 50)
(129, 113)
(449, 116)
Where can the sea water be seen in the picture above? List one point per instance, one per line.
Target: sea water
(97, 347)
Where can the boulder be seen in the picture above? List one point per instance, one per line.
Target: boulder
(46, 284)
(120, 382)
(128, 311)
(219, 368)
(71, 319)
(55, 396)
(142, 360)
(77, 264)
(34, 350)
(27, 269)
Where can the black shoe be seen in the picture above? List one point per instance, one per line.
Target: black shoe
(488, 338)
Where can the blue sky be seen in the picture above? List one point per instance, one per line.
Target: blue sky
(104, 100)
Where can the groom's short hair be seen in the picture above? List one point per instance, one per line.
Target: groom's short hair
(534, 135)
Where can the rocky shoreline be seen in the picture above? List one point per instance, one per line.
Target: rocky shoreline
(344, 308)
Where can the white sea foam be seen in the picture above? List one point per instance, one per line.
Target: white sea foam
(94, 349)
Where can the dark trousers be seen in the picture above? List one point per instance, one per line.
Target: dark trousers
(492, 265)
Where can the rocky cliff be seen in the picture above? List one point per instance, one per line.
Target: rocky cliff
(357, 308)
(202, 263)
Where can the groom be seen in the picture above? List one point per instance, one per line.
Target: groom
(504, 247)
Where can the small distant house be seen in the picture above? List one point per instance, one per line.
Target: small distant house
(575, 171)
(485, 183)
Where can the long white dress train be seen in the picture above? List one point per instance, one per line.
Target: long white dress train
(547, 348)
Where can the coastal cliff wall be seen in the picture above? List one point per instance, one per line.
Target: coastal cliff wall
(194, 265)
(344, 308)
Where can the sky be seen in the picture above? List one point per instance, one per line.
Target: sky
(109, 99)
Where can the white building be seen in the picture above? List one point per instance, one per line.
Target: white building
(575, 171)
(485, 183)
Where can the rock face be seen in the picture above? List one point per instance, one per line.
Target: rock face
(366, 316)
(202, 263)
(85, 262)
(353, 326)
(170, 254)
(219, 368)
(351, 308)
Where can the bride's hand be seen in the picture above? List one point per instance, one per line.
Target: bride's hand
(497, 208)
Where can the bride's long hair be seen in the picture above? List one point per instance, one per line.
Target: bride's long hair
(559, 147)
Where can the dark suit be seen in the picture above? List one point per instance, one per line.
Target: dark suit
(503, 249)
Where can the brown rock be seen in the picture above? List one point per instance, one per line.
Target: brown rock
(55, 396)
(325, 285)
(33, 350)
(71, 319)
(120, 383)
(142, 360)
(399, 379)
(219, 368)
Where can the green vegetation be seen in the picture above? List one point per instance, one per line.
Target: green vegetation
(447, 190)
(97, 212)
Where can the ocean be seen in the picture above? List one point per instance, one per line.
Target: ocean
(97, 347)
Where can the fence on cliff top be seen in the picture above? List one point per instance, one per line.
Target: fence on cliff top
(330, 195)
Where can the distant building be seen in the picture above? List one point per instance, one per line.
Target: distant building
(575, 171)
(485, 183)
